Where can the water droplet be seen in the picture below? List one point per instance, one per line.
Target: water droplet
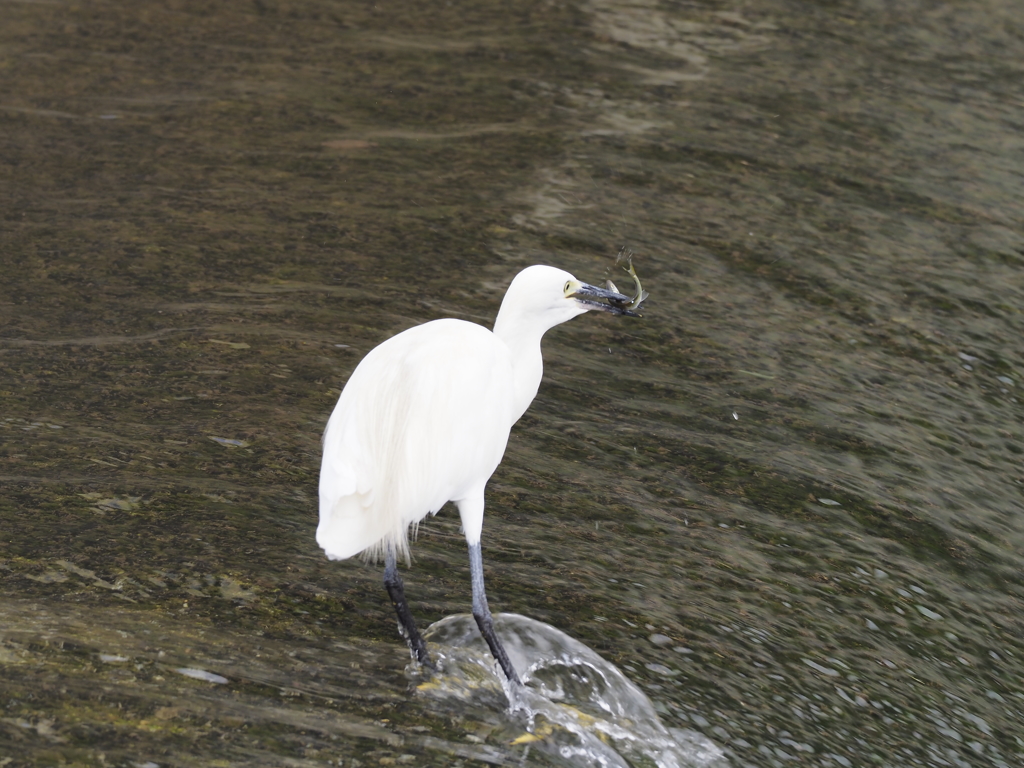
(201, 674)
(229, 442)
(820, 668)
(661, 669)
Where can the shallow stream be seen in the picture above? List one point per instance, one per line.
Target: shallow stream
(786, 504)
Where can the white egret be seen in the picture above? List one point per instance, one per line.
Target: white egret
(424, 419)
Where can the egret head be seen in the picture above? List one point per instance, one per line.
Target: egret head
(557, 296)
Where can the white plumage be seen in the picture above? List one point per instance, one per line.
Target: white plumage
(424, 419)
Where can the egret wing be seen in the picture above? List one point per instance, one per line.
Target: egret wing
(424, 419)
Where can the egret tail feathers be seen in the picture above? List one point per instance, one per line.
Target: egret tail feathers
(346, 530)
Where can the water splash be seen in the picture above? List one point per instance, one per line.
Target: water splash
(574, 706)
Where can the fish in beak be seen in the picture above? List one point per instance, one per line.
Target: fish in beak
(608, 299)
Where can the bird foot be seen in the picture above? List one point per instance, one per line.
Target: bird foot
(486, 626)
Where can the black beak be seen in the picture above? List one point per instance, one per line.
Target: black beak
(588, 295)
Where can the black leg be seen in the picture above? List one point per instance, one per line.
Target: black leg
(396, 591)
(482, 614)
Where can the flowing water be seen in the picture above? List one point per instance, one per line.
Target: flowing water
(781, 512)
(573, 705)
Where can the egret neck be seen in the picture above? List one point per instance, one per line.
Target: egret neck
(522, 332)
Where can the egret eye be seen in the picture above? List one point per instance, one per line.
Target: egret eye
(566, 289)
